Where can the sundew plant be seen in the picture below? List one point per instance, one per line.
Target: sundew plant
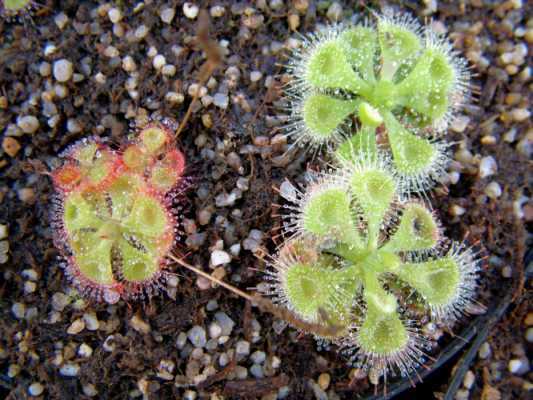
(116, 214)
(368, 260)
(402, 81)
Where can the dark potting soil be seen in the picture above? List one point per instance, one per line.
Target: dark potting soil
(234, 141)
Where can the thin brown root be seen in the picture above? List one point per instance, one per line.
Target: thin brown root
(326, 329)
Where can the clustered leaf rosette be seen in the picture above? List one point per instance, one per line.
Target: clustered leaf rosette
(115, 219)
(403, 82)
(373, 261)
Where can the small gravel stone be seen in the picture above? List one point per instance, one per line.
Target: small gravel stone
(69, 369)
(3, 231)
(215, 330)
(109, 344)
(529, 335)
(518, 366)
(258, 357)
(85, 350)
(91, 321)
(181, 340)
(29, 287)
(128, 64)
(60, 301)
(114, 15)
(197, 336)
(520, 114)
(220, 257)
(221, 100)
(225, 322)
(139, 325)
(334, 12)
(167, 14)
(11, 146)
(257, 371)
(13, 370)
(324, 381)
(89, 390)
(111, 51)
(61, 20)
(460, 123)
(18, 310)
(36, 389)
(255, 76)
(168, 70)
(223, 360)
(493, 190)
(76, 327)
(141, 32)
(159, 62)
(484, 351)
(507, 272)
(26, 195)
(73, 126)
(241, 372)
(242, 348)
(212, 305)
(217, 11)
(63, 70)
(468, 380)
(487, 167)
(190, 10)
(28, 123)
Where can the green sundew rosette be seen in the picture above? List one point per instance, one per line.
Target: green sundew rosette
(437, 280)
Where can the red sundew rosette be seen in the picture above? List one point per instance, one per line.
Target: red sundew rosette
(120, 287)
(93, 168)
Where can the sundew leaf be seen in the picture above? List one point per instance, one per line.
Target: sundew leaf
(323, 114)
(361, 47)
(418, 230)
(328, 68)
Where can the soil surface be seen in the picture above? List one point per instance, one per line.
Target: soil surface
(55, 344)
